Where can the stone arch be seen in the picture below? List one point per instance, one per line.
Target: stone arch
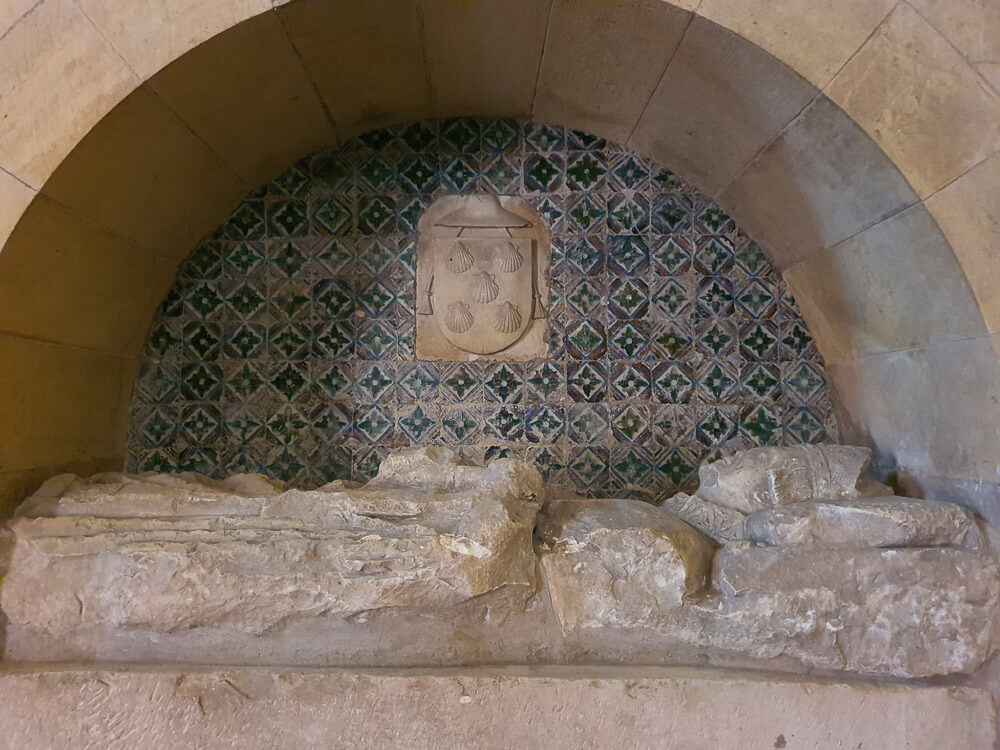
(856, 141)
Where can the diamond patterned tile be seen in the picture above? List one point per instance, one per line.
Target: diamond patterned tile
(545, 382)
(585, 170)
(585, 256)
(804, 381)
(503, 384)
(760, 425)
(630, 380)
(802, 426)
(631, 423)
(544, 423)
(629, 172)
(505, 422)
(757, 340)
(372, 424)
(672, 383)
(716, 338)
(631, 466)
(628, 297)
(586, 423)
(672, 298)
(462, 383)
(761, 381)
(713, 256)
(628, 255)
(717, 381)
(589, 466)
(586, 340)
(587, 213)
(715, 427)
(418, 382)
(375, 383)
(285, 345)
(586, 382)
(461, 425)
(418, 423)
(586, 295)
(677, 465)
(550, 463)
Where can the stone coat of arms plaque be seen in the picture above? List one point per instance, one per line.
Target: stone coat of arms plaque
(482, 280)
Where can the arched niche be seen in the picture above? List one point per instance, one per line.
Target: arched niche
(847, 191)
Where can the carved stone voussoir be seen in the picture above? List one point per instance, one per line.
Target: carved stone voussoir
(164, 554)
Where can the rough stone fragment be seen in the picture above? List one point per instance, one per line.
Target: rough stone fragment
(899, 612)
(165, 554)
(479, 709)
(717, 521)
(619, 562)
(764, 477)
(866, 522)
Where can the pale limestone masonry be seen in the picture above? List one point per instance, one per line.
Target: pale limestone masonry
(475, 709)
(433, 562)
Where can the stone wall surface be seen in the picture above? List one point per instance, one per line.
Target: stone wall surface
(478, 709)
(286, 344)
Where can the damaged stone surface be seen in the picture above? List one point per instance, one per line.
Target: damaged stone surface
(899, 612)
(434, 562)
(616, 562)
(719, 522)
(769, 476)
(164, 554)
(478, 709)
(866, 522)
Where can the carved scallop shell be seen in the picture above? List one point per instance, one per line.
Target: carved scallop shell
(509, 258)
(458, 318)
(484, 287)
(460, 260)
(508, 318)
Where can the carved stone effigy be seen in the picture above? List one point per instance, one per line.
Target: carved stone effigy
(815, 586)
(614, 561)
(438, 562)
(163, 554)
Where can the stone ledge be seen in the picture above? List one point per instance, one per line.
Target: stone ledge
(581, 707)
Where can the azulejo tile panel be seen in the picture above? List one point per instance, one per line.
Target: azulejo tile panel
(285, 345)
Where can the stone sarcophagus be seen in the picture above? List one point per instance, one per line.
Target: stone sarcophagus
(439, 562)
(166, 554)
